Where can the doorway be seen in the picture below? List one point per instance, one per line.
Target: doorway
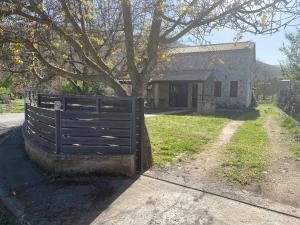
(178, 93)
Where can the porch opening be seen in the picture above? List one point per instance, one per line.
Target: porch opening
(178, 93)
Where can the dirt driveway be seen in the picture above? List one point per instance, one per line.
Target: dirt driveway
(279, 189)
(175, 197)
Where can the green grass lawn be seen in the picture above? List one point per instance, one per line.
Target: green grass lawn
(174, 137)
(15, 106)
(244, 159)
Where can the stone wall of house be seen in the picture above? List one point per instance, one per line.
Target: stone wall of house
(163, 90)
(225, 66)
(233, 66)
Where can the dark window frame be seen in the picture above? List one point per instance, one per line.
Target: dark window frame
(234, 89)
(218, 88)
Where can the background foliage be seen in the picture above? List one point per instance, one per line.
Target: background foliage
(289, 99)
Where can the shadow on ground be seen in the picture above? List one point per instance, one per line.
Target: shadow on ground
(50, 199)
(249, 114)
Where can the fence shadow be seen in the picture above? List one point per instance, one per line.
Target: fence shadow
(51, 199)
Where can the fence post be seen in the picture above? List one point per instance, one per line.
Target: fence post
(133, 125)
(26, 116)
(141, 131)
(58, 131)
(64, 103)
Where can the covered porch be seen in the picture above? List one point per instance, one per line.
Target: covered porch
(196, 95)
(192, 89)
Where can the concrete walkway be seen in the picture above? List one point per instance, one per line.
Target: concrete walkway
(9, 121)
(45, 199)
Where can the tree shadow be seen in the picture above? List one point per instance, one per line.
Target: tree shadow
(248, 114)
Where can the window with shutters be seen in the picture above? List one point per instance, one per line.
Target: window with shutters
(233, 88)
(218, 89)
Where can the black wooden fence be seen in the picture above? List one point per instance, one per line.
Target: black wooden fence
(87, 125)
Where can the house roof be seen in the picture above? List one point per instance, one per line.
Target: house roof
(186, 75)
(184, 67)
(213, 48)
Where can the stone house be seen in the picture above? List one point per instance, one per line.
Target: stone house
(206, 78)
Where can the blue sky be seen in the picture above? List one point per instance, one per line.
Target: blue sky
(267, 46)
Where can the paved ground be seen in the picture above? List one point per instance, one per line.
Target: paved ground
(153, 202)
(46, 199)
(10, 120)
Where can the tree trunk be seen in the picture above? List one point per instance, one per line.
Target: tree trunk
(146, 152)
(138, 89)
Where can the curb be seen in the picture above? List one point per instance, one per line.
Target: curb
(13, 205)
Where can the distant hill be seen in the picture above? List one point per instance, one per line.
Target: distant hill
(267, 71)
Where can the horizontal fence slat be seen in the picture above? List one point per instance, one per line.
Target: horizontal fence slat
(40, 125)
(85, 132)
(114, 109)
(100, 124)
(81, 108)
(35, 137)
(88, 150)
(116, 103)
(47, 105)
(81, 101)
(99, 141)
(47, 134)
(42, 118)
(95, 115)
(46, 112)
